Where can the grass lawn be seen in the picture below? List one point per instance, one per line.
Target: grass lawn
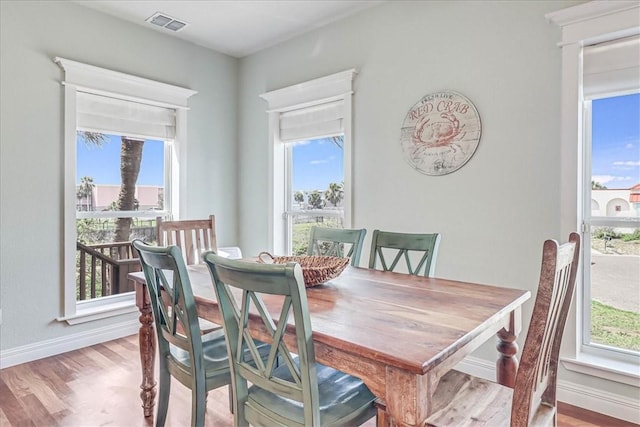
(618, 328)
(302, 231)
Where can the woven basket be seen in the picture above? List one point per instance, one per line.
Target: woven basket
(315, 269)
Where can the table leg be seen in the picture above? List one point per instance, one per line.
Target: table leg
(507, 364)
(408, 399)
(147, 339)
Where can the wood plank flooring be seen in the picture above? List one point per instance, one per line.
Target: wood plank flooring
(99, 386)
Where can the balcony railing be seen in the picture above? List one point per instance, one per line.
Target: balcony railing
(102, 269)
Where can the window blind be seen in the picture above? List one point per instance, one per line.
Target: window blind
(611, 68)
(104, 114)
(316, 121)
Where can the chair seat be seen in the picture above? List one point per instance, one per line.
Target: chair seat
(344, 400)
(214, 352)
(463, 400)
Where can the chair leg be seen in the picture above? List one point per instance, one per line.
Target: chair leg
(198, 404)
(163, 395)
(230, 398)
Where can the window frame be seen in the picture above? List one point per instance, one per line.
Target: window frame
(585, 24)
(334, 87)
(79, 77)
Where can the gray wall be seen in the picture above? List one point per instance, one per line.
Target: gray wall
(31, 144)
(496, 211)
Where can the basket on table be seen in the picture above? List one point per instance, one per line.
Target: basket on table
(315, 269)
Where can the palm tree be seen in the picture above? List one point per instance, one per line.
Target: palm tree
(597, 186)
(338, 140)
(85, 192)
(86, 183)
(334, 194)
(315, 200)
(93, 138)
(130, 159)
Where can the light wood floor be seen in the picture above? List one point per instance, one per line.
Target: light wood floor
(99, 386)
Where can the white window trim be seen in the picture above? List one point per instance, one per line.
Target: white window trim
(318, 91)
(584, 24)
(88, 78)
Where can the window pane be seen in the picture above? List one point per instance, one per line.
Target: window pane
(615, 162)
(614, 253)
(317, 175)
(615, 287)
(114, 175)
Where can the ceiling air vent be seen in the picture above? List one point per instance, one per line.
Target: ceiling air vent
(165, 21)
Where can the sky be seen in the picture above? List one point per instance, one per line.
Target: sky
(616, 141)
(103, 163)
(316, 164)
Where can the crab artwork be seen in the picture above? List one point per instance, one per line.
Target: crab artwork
(440, 133)
(437, 133)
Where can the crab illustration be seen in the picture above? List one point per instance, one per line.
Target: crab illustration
(438, 133)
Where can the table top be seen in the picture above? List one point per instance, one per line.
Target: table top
(410, 322)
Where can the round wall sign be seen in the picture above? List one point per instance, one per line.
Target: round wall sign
(440, 133)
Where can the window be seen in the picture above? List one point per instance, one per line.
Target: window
(611, 262)
(124, 137)
(121, 187)
(314, 188)
(611, 164)
(594, 73)
(310, 164)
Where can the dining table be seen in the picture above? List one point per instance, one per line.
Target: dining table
(399, 333)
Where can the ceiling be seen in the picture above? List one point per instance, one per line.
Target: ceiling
(237, 28)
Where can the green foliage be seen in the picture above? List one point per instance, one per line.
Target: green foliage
(597, 186)
(92, 138)
(300, 238)
(298, 196)
(602, 232)
(91, 230)
(315, 200)
(631, 237)
(334, 194)
(613, 327)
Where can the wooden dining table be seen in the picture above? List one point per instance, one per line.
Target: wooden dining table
(399, 333)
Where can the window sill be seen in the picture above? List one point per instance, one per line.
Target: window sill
(89, 311)
(604, 367)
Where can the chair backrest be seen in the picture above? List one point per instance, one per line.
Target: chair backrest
(537, 374)
(172, 301)
(193, 236)
(281, 282)
(331, 242)
(394, 247)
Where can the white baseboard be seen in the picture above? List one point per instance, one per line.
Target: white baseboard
(613, 405)
(52, 347)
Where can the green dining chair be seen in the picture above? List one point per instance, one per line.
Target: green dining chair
(333, 242)
(299, 391)
(390, 248)
(199, 362)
